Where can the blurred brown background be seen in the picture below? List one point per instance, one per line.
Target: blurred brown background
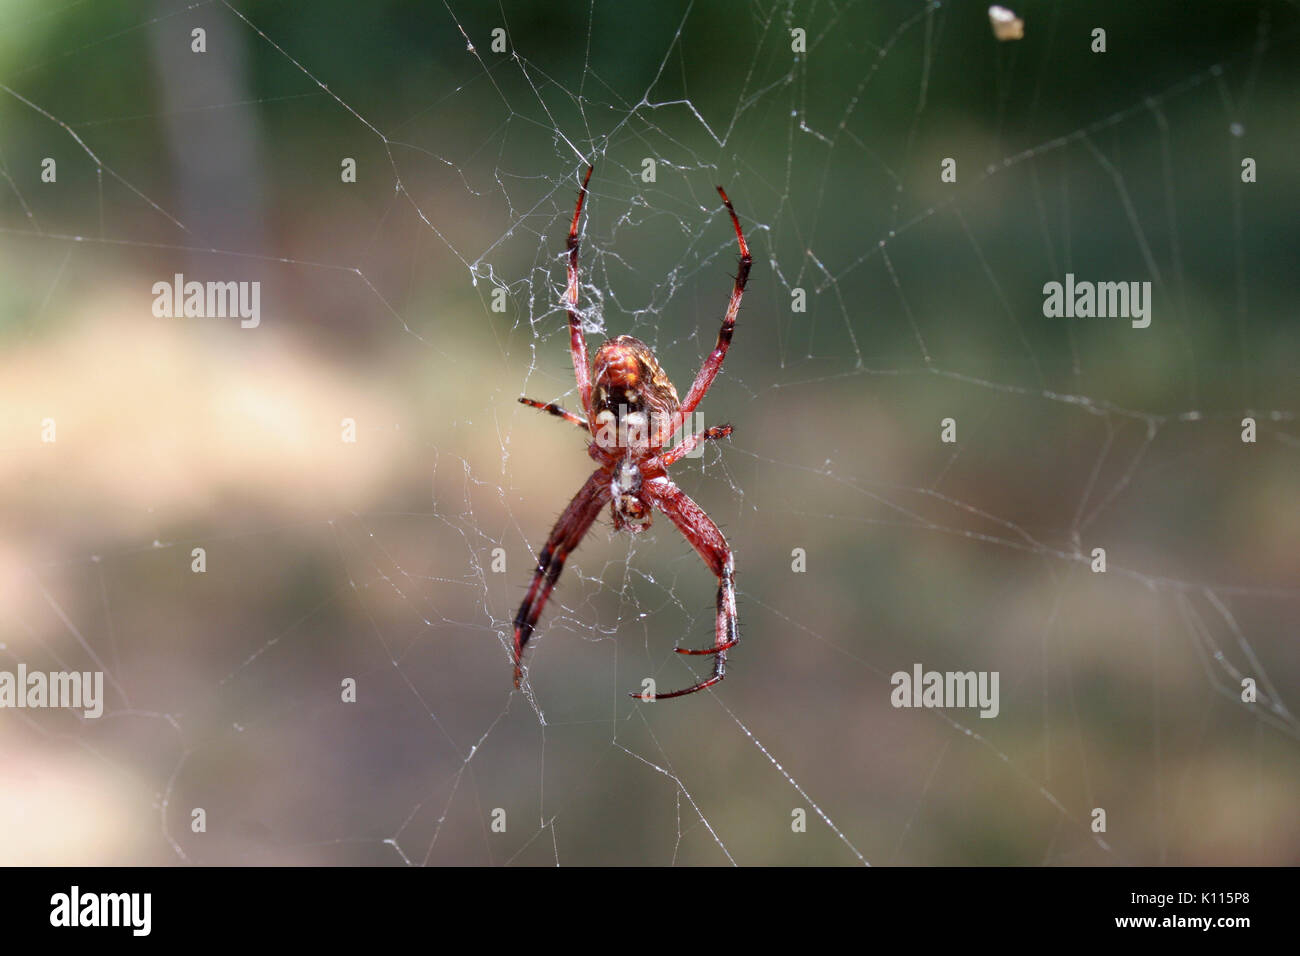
(373, 560)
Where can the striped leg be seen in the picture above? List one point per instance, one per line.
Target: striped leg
(555, 410)
(709, 370)
(567, 534)
(699, 529)
(577, 342)
(691, 442)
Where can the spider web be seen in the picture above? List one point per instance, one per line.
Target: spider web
(420, 301)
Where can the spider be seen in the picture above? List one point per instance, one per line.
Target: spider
(631, 409)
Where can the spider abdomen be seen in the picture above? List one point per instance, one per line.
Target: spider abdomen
(633, 400)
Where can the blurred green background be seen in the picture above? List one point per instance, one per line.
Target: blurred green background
(373, 560)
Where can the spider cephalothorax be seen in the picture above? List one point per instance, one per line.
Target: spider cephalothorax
(631, 409)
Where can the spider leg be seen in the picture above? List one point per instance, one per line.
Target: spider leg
(698, 528)
(555, 410)
(691, 442)
(577, 342)
(567, 534)
(709, 370)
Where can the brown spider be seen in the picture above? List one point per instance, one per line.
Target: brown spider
(632, 410)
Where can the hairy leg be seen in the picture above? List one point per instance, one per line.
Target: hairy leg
(709, 370)
(567, 534)
(691, 442)
(577, 342)
(699, 529)
(555, 410)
